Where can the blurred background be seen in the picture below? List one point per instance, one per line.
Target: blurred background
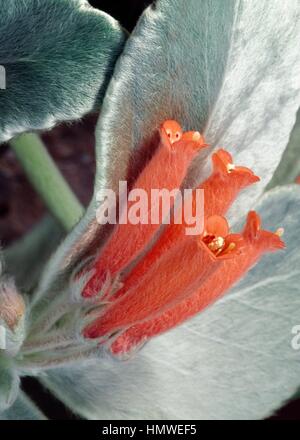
(72, 147)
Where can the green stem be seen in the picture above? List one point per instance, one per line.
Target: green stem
(47, 180)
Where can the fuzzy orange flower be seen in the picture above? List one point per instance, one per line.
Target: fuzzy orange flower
(179, 275)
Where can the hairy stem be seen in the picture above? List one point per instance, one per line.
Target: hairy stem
(33, 366)
(51, 342)
(51, 315)
(47, 180)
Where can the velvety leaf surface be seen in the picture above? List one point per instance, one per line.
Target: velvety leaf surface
(58, 57)
(235, 360)
(173, 66)
(151, 92)
(214, 66)
(289, 167)
(22, 409)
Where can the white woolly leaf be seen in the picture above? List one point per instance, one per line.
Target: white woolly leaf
(228, 68)
(56, 58)
(22, 409)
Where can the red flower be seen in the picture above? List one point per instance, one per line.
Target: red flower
(228, 272)
(166, 170)
(181, 274)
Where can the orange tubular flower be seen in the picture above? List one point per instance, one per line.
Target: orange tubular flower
(256, 241)
(166, 170)
(226, 181)
(185, 265)
(181, 274)
(220, 190)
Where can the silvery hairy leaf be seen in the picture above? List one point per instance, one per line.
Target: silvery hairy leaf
(56, 58)
(22, 409)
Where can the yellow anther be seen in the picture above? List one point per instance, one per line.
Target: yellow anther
(230, 247)
(216, 244)
(279, 232)
(196, 136)
(230, 167)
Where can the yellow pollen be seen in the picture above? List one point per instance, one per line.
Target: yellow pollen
(216, 244)
(279, 232)
(196, 136)
(230, 247)
(230, 167)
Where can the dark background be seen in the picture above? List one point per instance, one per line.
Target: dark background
(73, 150)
